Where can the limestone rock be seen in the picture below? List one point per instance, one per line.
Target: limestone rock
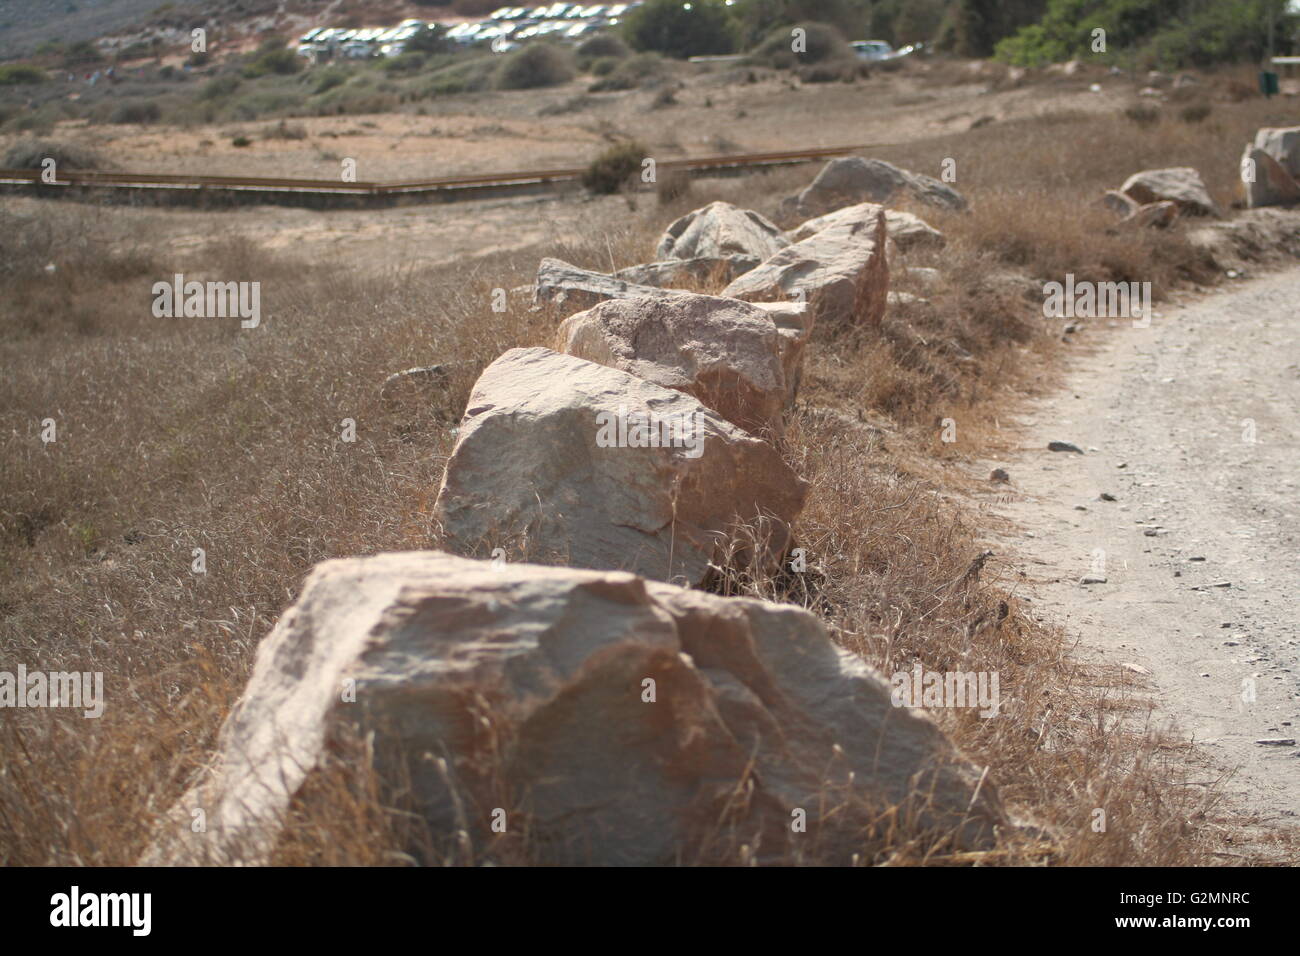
(1271, 184)
(612, 719)
(725, 352)
(1181, 184)
(826, 270)
(905, 230)
(851, 179)
(721, 231)
(564, 461)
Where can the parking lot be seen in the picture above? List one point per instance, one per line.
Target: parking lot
(504, 29)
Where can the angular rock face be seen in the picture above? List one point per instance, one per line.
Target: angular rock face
(721, 231)
(673, 272)
(1272, 185)
(825, 269)
(1283, 144)
(564, 461)
(906, 230)
(725, 352)
(565, 285)
(615, 721)
(794, 323)
(852, 179)
(1180, 184)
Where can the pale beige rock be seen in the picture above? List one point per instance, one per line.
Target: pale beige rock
(905, 230)
(1283, 144)
(1270, 184)
(721, 231)
(533, 472)
(851, 179)
(1180, 184)
(567, 286)
(794, 323)
(609, 718)
(676, 272)
(823, 270)
(725, 352)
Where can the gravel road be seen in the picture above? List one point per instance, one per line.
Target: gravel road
(1193, 425)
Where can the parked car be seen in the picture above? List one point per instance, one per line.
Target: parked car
(872, 49)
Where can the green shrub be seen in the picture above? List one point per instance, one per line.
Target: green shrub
(30, 153)
(278, 62)
(328, 79)
(604, 66)
(533, 66)
(1164, 33)
(634, 72)
(218, 87)
(681, 30)
(241, 141)
(405, 63)
(471, 77)
(1195, 112)
(615, 168)
(822, 43)
(138, 111)
(601, 46)
(14, 74)
(82, 53)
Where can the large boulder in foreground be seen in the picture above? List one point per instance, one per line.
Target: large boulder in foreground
(905, 230)
(610, 719)
(834, 270)
(851, 180)
(1270, 184)
(564, 461)
(725, 352)
(1180, 184)
(1283, 144)
(721, 231)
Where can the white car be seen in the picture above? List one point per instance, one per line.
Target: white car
(874, 50)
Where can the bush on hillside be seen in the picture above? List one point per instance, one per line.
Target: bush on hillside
(643, 69)
(15, 74)
(681, 30)
(1158, 33)
(821, 43)
(30, 153)
(615, 168)
(536, 65)
(273, 59)
(601, 46)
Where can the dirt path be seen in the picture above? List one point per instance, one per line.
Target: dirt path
(1201, 548)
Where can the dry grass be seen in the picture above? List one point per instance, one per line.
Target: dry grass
(187, 433)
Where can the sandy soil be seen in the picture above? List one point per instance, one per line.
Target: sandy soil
(1201, 547)
(716, 113)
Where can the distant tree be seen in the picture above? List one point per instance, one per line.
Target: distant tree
(918, 21)
(980, 24)
(758, 18)
(681, 29)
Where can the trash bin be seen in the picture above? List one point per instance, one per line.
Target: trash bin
(1268, 83)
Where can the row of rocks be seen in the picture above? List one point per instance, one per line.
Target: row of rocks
(585, 697)
(1157, 197)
